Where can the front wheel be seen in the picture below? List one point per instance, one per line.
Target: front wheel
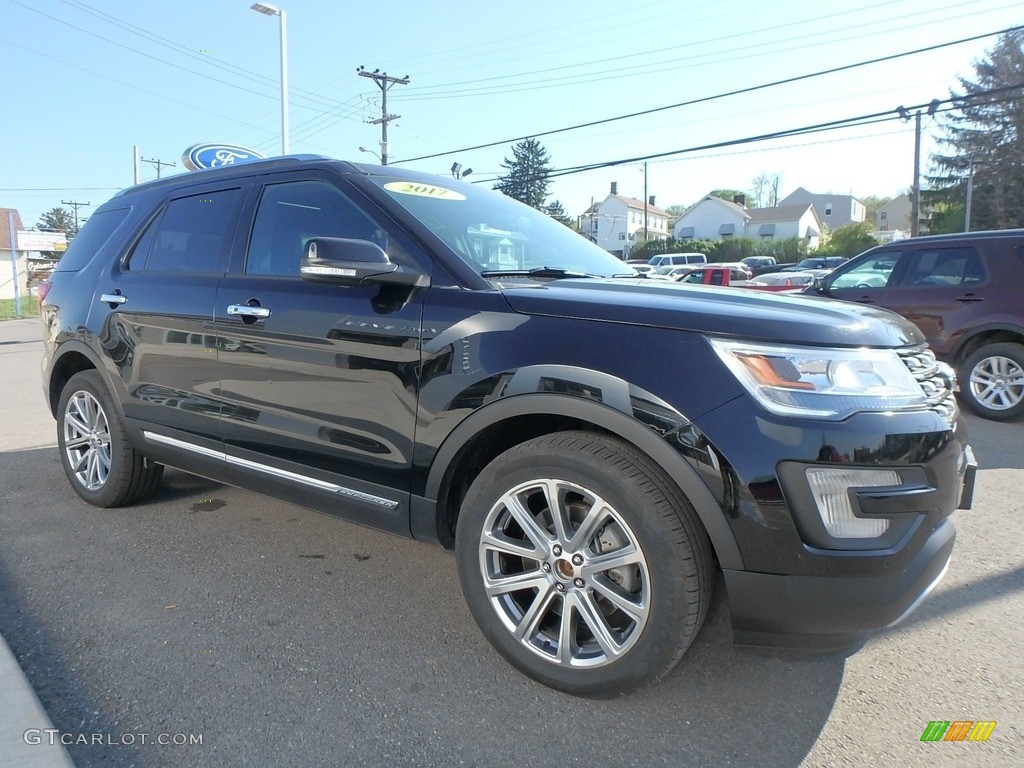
(583, 564)
(98, 457)
(992, 381)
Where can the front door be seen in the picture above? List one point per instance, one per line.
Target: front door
(318, 381)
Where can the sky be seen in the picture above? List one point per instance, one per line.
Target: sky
(85, 81)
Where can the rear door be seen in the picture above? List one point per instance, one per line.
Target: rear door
(154, 311)
(942, 290)
(319, 381)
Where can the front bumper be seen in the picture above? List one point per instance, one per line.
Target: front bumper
(826, 614)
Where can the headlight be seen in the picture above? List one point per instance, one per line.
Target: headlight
(821, 382)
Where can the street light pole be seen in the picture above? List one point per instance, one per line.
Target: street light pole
(273, 10)
(915, 203)
(970, 189)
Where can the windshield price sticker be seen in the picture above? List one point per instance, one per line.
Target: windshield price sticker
(423, 190)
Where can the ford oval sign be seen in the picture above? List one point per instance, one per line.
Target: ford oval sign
(203, 156)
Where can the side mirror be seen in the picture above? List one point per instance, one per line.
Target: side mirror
(820, 285)
(344, 261)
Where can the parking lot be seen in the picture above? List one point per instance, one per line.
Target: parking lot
(286, 638)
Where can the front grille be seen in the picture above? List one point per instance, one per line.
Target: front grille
(936, 379)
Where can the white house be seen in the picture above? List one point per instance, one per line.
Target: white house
(715, 219)
(618, 222)
(833, 211)
(7, 273)
(711, 219)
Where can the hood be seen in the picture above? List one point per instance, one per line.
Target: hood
(737, 312)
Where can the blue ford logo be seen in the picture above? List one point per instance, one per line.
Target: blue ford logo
(203, 156)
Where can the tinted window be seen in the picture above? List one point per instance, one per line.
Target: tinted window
(873, 272)
(943, 266)
(192, 234)
(96, 231)
(292, 213)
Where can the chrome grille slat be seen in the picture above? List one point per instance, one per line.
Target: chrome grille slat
(935, 378)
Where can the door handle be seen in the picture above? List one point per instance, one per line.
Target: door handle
(113, 298)
(867, 300)
(244, 310)
(967, 298)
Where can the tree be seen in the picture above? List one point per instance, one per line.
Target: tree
(850, 239)
(556, 211)
(675, 211)
(58, 220)
(527, 177)
(765, 190)
(727, 194)
(985, 140)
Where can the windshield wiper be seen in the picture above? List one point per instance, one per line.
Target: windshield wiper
(537, 272)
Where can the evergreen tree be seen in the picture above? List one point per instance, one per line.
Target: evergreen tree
(556, 211)
(57, 220)
(527, 177)
(985, 139)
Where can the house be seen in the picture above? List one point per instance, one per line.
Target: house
(892, 220)
(619, 222)
(834, 211)
(716, 219)
(6, 270)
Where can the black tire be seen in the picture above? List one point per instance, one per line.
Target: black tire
(620, 505)
(992, 381)
(99, 459)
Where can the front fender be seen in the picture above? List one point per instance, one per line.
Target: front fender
(615, 406)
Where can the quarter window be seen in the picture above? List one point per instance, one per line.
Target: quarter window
(192, 235)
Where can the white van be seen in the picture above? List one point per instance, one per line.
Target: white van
(677, 259)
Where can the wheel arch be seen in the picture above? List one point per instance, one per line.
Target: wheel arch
(498, 426)
(989, 333)
(74, 357)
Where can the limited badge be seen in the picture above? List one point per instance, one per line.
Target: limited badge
(423, 190)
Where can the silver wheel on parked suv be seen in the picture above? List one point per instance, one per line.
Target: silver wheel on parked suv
(98, 457)
(86, 440)
(582, 563)
(992, 381)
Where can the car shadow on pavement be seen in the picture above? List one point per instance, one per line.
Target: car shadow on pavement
(943, 605)
(372, 658)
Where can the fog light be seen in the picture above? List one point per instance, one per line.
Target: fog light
(830, 490)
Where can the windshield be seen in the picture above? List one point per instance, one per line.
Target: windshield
(494, 233)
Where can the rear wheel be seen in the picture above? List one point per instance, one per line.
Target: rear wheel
(992, 381)
(583, 564)
(98, 457)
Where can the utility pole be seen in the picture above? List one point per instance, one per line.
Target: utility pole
(645, 201)
(76, 205)
(915, 201)
(915, 189)
(158, 162)
(970, 189)
(384, 82)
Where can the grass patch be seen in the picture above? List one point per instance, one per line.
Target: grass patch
(29, 308)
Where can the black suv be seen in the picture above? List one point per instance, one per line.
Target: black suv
(963, 292)
(435, 360)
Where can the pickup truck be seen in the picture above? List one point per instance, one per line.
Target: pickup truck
(736, 278)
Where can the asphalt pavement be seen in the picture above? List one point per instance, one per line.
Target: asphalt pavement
(27, 737)
(212, 626)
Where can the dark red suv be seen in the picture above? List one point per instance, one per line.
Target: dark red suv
(965, 293)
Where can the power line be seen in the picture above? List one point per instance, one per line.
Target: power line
(849, 122)
(206, 59)
(703, 99)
